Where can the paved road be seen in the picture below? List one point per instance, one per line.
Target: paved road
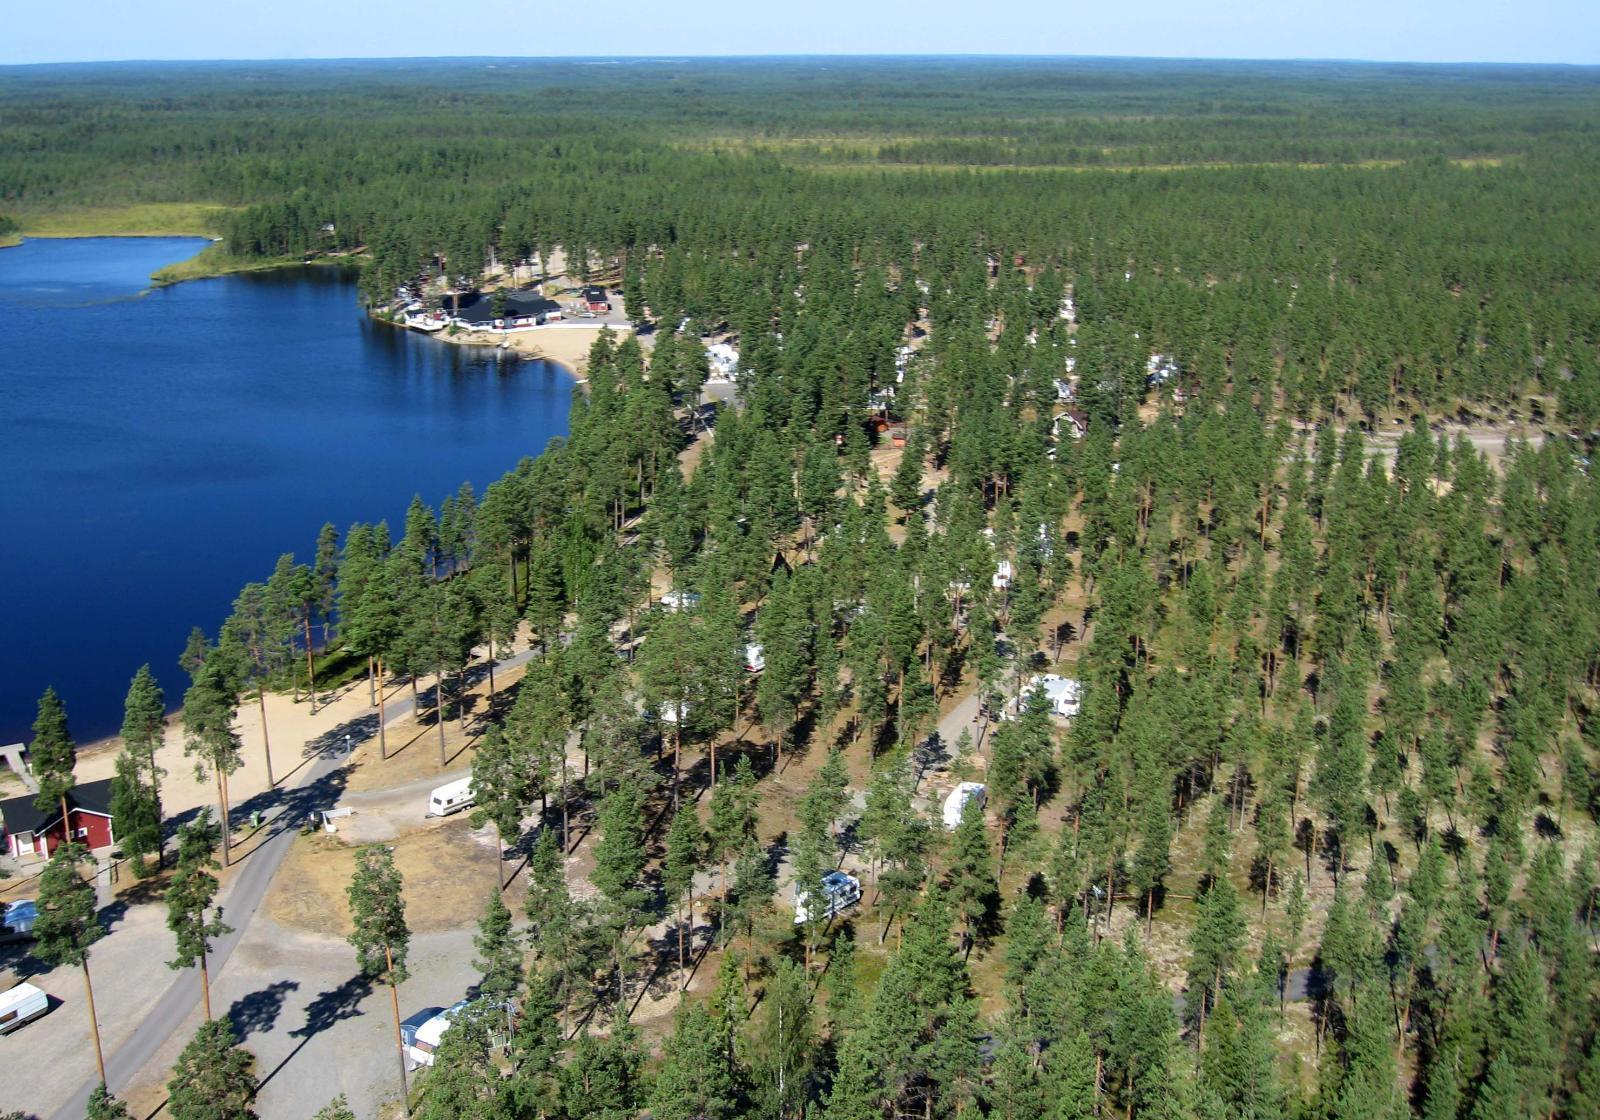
(176, 1003)
(317, 788)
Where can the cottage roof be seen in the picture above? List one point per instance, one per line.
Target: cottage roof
(20, 814)
(479, 307)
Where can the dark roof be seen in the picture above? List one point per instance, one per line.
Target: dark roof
(596, 295)
(19, 813)
(479, 306)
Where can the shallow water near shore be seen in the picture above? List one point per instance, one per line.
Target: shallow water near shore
(159, 449)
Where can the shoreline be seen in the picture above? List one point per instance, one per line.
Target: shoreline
(563, 346)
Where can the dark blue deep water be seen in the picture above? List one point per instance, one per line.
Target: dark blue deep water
(159, 449)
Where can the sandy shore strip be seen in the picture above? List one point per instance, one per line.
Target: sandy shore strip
(565, 344)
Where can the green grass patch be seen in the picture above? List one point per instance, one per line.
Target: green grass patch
(214, 260)
(148, 219)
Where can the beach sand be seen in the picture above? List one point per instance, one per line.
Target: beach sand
(567, 345)
(292, 730)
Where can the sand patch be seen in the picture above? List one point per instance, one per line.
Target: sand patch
(448, 873)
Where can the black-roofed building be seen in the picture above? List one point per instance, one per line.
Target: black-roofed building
(34, 834)
(519, 309)
(596, 299)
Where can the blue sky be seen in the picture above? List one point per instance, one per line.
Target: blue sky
(1415, 30)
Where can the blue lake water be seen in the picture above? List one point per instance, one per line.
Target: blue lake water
(159, 449)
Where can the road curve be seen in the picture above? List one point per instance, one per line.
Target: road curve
(240, 903)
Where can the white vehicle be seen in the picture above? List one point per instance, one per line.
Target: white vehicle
(841, 891)
(680, 600)
(754, 660)
(956, 803)
(17, 918)
(425, 1037)
(452, 797)
(1063, 694)
(408, 1037)
(21, 1005)
(421, 1036)
(1002, 576)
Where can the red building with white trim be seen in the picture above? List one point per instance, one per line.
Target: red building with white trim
(32, 834)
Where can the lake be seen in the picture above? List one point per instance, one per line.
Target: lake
(160, 449)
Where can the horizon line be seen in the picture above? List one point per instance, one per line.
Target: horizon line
(678, 57)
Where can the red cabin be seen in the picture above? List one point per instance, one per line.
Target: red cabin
(32, 834)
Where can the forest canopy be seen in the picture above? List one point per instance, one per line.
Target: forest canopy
(1137, 375)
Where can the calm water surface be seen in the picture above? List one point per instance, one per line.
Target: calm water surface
(159, 449)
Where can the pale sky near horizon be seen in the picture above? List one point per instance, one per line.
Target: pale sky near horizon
(1558, 31)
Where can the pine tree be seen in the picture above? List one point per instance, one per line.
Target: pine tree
(190, 895)
(336, 1109)
(464, 1083)
(103, 1106)
(380, 937)
(784, 1040)
(857, 1091)
(52, 756)
(209, 707)
(1073, 1068)
(501, 956)
(619, 868)
(67, 926)
(678, 868)
(501, 790)
(212, 1079)
(697, 1080)
(144, 715)
(135, 814)
(972, 879)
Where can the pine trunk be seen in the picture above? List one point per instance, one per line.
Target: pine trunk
(311, 666)
(438, 714)
(94, 1022)
(399, 1041)
(222, 804)
(266, 745)
(205, 978)
(383, 735)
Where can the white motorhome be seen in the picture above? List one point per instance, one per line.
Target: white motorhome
(956, 803)
(754, 659)
(21, 1005)
(452, 797)
(841, 891)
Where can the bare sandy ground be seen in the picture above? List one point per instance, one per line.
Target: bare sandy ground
(565, 344)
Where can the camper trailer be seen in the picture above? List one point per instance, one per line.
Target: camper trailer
(425, 1034)
(1063, 694)
(956, 803)
(452, 797)
(21, 1005)
(754, 659)
(408, 1034)
(841, 891)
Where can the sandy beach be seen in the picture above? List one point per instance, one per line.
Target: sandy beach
(566, 344)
